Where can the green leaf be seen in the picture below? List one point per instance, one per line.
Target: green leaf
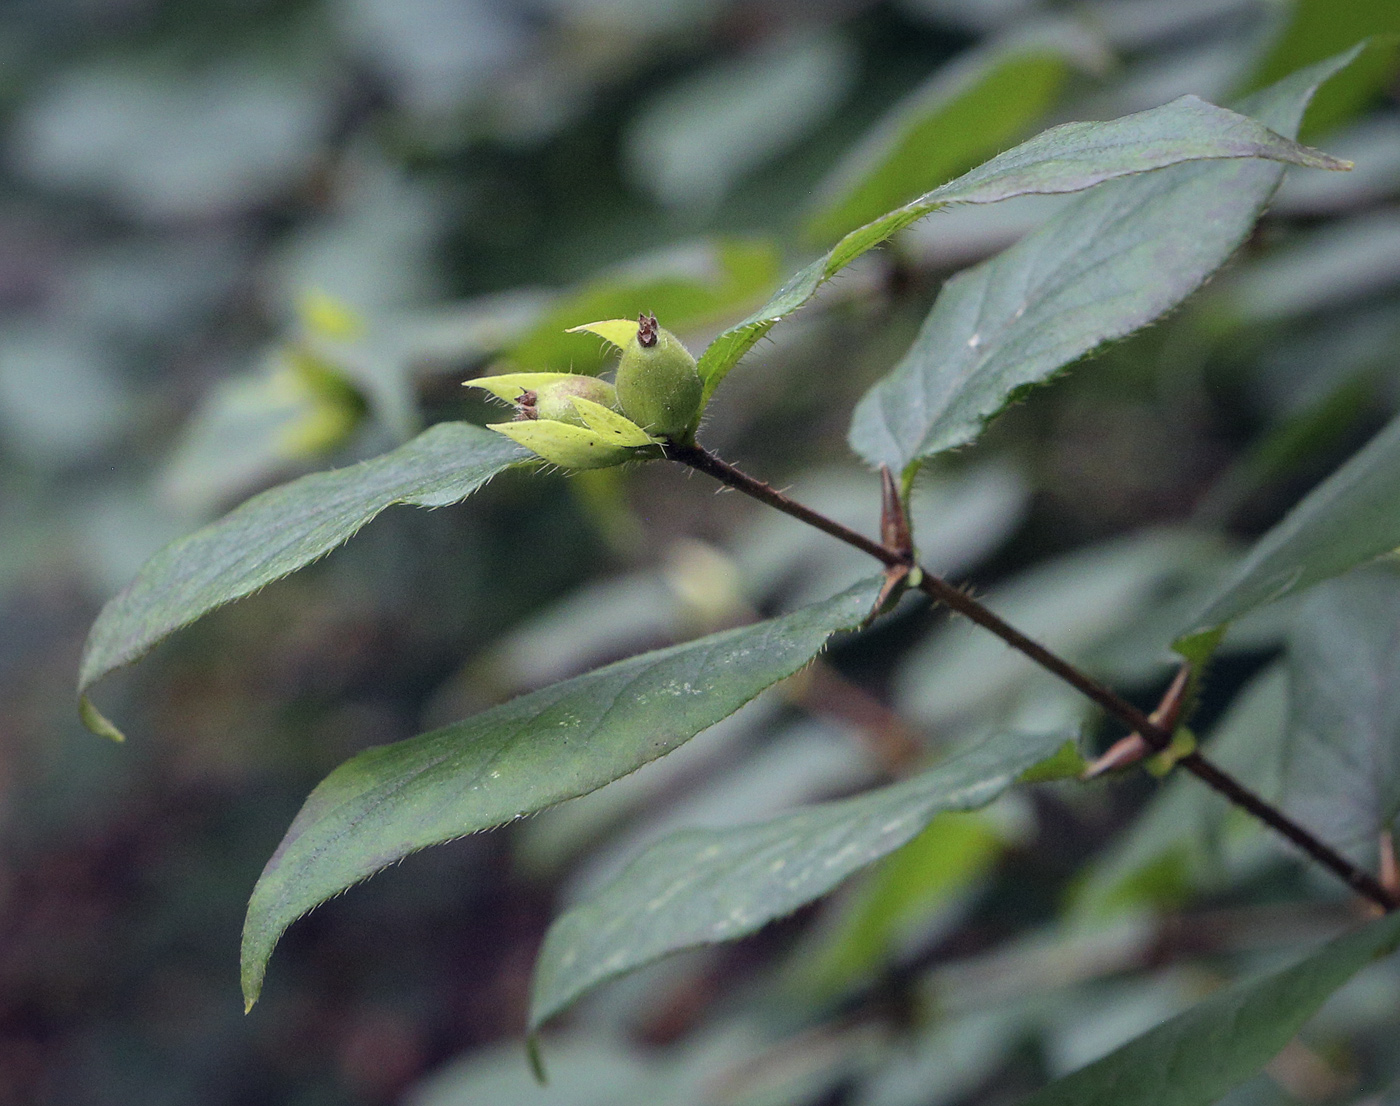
(1105, 266)
(907, 889)
(279, 531)
(1319, 28)
(967, 111)
(252, 427)
(1342, 757)
(532, 752)
(1068, 158)
(1202, 1053)
(1350, 518)
(704, 886)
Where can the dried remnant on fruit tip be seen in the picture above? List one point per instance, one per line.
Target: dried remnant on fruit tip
(657, 382)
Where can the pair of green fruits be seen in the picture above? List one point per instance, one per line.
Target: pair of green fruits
(581, 422)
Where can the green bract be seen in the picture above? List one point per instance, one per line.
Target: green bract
(567, 418)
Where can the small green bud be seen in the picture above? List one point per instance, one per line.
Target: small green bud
(657, 383)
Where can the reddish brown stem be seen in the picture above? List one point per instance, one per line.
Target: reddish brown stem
(1362, 882)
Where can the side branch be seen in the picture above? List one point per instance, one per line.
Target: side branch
(1362, 882)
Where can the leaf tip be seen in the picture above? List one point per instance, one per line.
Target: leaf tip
(535, 1056)
(96, 722)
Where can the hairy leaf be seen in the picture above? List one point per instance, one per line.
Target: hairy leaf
(1109, 264)
(700, 887)
(1350, 518)
(1068, 158)
(532, 752)
(1342, 757)
(279, 531)
(1202, 1053)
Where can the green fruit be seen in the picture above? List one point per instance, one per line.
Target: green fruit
(556, 401)
(657, 383)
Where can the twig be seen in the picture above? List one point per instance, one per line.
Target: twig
(1362, 882)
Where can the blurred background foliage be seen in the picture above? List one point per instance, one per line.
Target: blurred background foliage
(244, 240)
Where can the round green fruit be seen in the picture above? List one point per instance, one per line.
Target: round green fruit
(657, 383)
(556, 401)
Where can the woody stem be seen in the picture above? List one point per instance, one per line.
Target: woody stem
(1363, 883)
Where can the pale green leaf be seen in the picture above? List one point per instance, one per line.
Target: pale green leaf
(700, 887)
(530, 753)
(967, 111)
(281, 530)
(1110, 263)
(1342, 754)
(1199, 1055)
(1350, 518)
(1068, 158)
(899, 897)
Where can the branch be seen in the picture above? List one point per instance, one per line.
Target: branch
(1360, 881)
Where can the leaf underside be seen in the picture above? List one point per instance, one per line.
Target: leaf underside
(700, 887)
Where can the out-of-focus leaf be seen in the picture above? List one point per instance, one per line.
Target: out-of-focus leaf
(1342, 759)
(554, 744)
(969, 110)
(949, 1062)
(1089, 1023)
(282, 530)
(583, 1071)
(1350, 518)
(703, 134)
(1068, 158)
(1338, 265)
(1299, 439)
(1105, 266)
(434, 55)
(171, 147)
(691, 287)
(1316, 29)
(958, 519)
(902, 894)
(1200, 1054)
(1076, 605)
(705, 886)
(252, 427)
(61, 399)
(1174, 846)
